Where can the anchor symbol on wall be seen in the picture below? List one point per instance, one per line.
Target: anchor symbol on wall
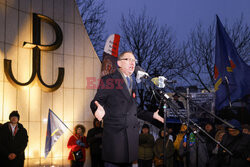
(37, 47)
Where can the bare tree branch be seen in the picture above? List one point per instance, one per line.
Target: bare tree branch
(198, 55)
(92, 13)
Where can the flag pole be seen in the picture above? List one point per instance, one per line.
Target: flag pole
(63, 124)
(228, 92)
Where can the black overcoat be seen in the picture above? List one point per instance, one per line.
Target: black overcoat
(13, 144)
(121, 127)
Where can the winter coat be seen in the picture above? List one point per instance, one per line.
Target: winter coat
(239, 146)
(190, 152)
(177, 144)
(146, 145)
(13, 144)
(159, 152)
(74, 147)
(94, 139)
(120, 139)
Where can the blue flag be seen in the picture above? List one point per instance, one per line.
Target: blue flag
(232, 74)
(55, 128)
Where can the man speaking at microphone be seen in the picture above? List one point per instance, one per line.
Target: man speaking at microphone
(116, 106)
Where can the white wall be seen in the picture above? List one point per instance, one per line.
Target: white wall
(76, 54)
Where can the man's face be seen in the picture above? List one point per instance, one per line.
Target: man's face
(208, 127)
(127, 64)
(245, 131)
(14, 120)
(233, 132)
(145, 130)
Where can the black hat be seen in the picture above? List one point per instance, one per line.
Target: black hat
(14, 114)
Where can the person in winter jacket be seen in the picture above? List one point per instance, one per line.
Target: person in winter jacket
(13, 141)
(77, 144)
(236, 142)
(213, 162)
(146, 145)
(159, 152)
(94, 139)
(179, 160)
(210, 129)
(194, 148)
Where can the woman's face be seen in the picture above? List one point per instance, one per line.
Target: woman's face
(79, 131)
(221, 136)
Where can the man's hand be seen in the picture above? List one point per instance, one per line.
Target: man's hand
(158, 117)
(100, 112)
(12, 156)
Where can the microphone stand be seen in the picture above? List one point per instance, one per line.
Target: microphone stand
(181, 116)
(175, 109)
(165, 129)
(165, 112)
(200, 107)
(188, 118)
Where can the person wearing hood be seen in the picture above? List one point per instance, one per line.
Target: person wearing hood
(13, 141)
(236, 142)
(146, 145)
(94, 139)
(159, 152)
(193, 148)
(179, 159)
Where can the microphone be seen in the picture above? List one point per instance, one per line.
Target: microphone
(161, 81)
(140, 73)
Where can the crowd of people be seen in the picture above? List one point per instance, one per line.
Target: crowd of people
(187, 148)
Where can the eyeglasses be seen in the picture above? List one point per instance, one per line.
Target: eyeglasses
(130, 60)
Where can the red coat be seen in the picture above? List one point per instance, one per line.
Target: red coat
(74, 147)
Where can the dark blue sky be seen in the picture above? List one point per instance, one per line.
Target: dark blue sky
(180, 15)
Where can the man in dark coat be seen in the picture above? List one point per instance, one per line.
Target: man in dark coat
(13, 141)
(94, 139)
(115, 104)
(238, 144)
